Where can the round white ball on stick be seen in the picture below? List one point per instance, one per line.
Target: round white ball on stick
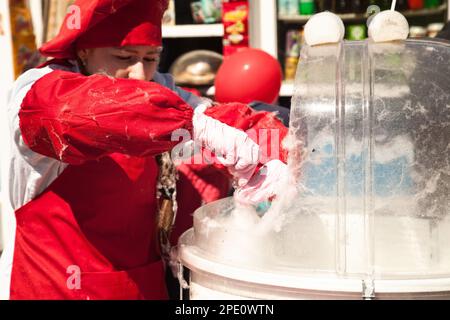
(324, 27)
(388, 25)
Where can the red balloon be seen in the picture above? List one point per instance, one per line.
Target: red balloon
(248, 75)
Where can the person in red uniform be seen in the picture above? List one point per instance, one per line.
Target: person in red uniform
(91, 130)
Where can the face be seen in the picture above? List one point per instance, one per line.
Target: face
(131, 62)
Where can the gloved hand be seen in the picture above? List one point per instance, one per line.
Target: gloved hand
(265, 184)
(232, 147)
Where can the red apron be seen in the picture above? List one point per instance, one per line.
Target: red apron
(91, 235)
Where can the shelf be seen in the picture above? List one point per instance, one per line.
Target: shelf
(287, 89)
(193, 30)
(361, 16)
(305, 18)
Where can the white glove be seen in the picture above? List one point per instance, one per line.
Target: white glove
(232, 147)
(266, 183)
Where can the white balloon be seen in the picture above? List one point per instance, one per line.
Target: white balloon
(324, 27)
(388, 25)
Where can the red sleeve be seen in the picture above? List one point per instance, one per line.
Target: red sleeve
(263, 127)
(75, 118)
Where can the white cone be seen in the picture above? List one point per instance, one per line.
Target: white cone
(388, 25)
(324, 27)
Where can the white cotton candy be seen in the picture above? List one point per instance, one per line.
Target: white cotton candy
(388, 25)
(324, 27)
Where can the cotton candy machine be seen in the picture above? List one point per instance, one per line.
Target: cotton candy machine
(366, 213)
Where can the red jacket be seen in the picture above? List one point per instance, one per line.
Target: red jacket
(84, 182)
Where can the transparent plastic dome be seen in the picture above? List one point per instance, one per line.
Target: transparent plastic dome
(371, 158)
(370, 172)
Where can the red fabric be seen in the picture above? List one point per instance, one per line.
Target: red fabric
(193, 91)
(197, 185)
(108, 23)
(74, 118)
(99, 217)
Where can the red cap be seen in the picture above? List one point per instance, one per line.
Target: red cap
(107, 23)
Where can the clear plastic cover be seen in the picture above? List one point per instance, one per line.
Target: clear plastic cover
(369, 161)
